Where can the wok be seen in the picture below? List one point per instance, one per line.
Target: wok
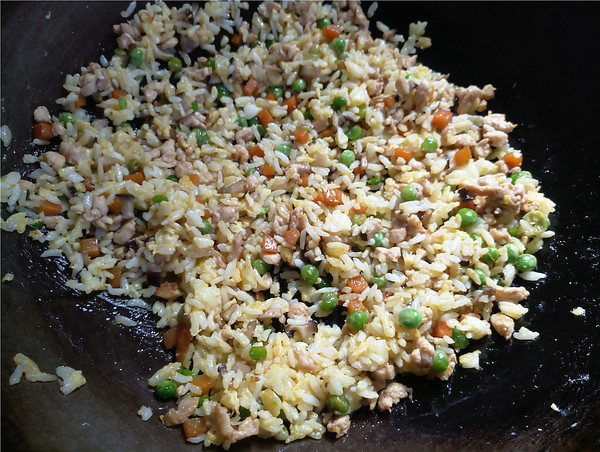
(541, 59)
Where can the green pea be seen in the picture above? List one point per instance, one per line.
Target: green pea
(357, 319)
(526, 262)
(308, 115)
(338, 103)
(284, 148)
(35, 226)
(328, 301)
(481, 276)
(513, 232)
(537, 220)
(206, 227)
(211, 64)
(277, 91)
(362, 111)
(512, 253)
(410, 318)
(409, 193)
(250, 171)
(159, 198)
(407, 76)
(282, 434)
(255, 43)
(338, 45)
(201, 136)
(261, 130)
(122, 103)
(66, 117)
(269, 43)
(359, 218)
(429, 144)
(201, 400)
(309, 273)
(379, 281)
(459, 338)
(165, 389)
(338, 404)
(468, 217)
(173, 178)
(323, 22)
(519, 175)
(440, 361)
(313, 54)
(299, 85)
(242, 122)
(347, 157)
(258, 353)
(136, 56)
(491, 256)
(244, 413)
(175, 64)
(187, 372)
(377, 239)
(120, 52)
(375, 180)
(324, 281)
(134, 165)
(354, 133)
(222, 91)
(194, 106)
(263, 212)
(261, 266)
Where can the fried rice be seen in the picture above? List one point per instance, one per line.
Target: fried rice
(312, 211)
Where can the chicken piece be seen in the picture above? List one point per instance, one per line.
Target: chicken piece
(303, 361)
(423, 353)
(195, 120)
(189, 42)
(240, 153)
(389, 255)
(339, 425)
(496, 129)
(54, 159)
(97, 210)
(185, 409)
(237, 187)
(298, 311)
(169, 291)
(153, 89)
(503, 324)
(52, 221)
(73, 152)
(41, 114)
(284, 51)
(236, 247)
(229, 214)
(243, 135)
(183, 168)
(514, 294)
(391, 396)
(222, 422)
(281, 220)
(296, 171)
(271, 258)
(473, 98)
(125, 232)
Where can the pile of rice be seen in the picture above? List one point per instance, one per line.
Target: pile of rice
(146, 187)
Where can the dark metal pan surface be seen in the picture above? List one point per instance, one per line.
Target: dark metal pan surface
(542, 58)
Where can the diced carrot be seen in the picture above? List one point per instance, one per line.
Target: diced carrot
(389, 101)
(42, 131)
(183, 341)
(118, 93)
(291, 236)
(265, 117)
(302, 136)
(386, 297)
(115, 279)
(467, 204)
(462, 156)
(269, 244)
(256, 151)
(318, 196)
(267, 170)
(49, 208)
(331, 32)
(236, 39)
(80, 102)
(359, 208)
(194, 178)
(115, 206)
(170, 337)
(328, 132)
(357, 284)
(291, 103)
(250, 87)
(513, 159)
(468, 314)
(332, 197)
(441, 329)
(194, 426)
(403, 153)
(271, 96)
(131, 47)
(91, 247)
(354, 305)
(88, 184)
(441, 119)
(304, 180)
(204, 382)
(138, 177)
